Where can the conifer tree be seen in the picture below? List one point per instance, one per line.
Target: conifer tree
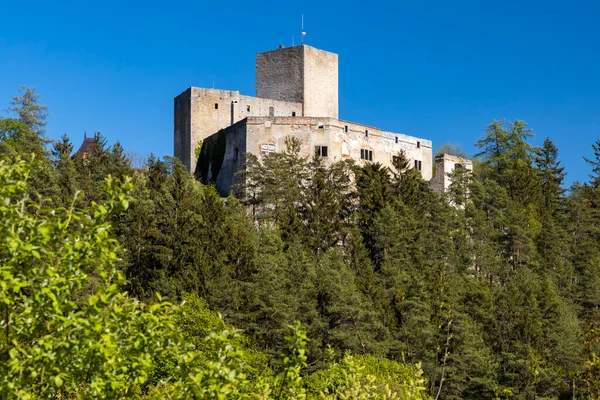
(27, 106)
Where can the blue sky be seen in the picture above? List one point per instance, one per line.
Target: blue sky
(434, 69)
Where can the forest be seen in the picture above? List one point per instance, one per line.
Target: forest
(348, 281)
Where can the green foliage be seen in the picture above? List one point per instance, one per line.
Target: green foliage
(210, 157)
(30, 111)
(493, 287)
(66, 326)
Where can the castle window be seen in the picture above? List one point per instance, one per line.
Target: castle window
(396, 139)
(236, 153)
(321, 151)
(418, 165)
(293, 113)
(366, 154)
(267, 148)
(248, 108)
(216, 106)
(346, 128)
(418, 145)
(457, 166)
(320, 125)
(366, 133)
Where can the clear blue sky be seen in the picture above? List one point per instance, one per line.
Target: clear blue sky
(434, 69)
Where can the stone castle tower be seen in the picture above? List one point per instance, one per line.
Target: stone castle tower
(300, 74)
(296, 81)
(296, 95)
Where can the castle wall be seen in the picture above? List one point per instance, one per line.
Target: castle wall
(201, 112)
(182, 127)
(444, 165)
(300, 74)
(320, 83)
(222, 155)
(280, 74)
(340, 144)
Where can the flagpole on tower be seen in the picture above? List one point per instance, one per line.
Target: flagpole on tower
(303, 33)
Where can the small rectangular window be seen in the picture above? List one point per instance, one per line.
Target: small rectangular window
(267, 148)
(321, 151)
(396, 139)
(216, 106)
(346, 128)
(320, 125)
(248, 108)
(418, 165)
(293, 113)
(236, 153)
(366, 133)
(418, 145)
(366, 154)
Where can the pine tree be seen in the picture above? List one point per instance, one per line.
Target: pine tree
(595, 163)
(65, 169)
(27, 106)
(551, 175)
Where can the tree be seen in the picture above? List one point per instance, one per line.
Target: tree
(62, 333)
(65, 169)
(452, 149)
(551, 175)
(595, 163)
(27, 106)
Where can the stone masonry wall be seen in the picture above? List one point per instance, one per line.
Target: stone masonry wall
(444, 165)
(300, 74)
(280, 74)
(343, 139)
(207, 111)
(320, 83)
(182, 126)
(222, 156)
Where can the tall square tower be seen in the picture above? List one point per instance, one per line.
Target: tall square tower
(301, 74)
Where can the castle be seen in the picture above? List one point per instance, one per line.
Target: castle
(297, 95)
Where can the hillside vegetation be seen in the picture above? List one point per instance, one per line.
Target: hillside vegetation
(348, 281)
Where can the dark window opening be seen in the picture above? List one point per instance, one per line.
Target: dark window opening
(320, 125)
(457, 166)
(321, 151)
(345, 128)
(293, 113)
(418, 145)
(396, 139)
(248, 108)
(216, 106)
(366, 133)
(236, 153)
(366, 154)
(418, 165)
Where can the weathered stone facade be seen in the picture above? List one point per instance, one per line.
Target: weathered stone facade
(444, 165)
(224, 151)
(297, 95)
(201, 112)
(300, 74)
